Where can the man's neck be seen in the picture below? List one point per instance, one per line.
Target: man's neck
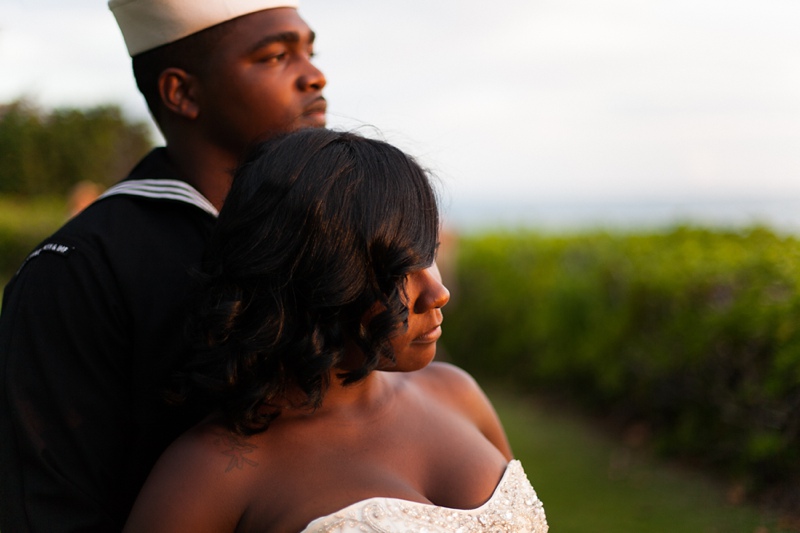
(208, 169)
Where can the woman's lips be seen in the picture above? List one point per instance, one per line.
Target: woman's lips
(429, 336)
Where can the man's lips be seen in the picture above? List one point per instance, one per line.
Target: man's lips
(318, 107)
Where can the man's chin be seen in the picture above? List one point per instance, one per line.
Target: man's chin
(314, 120)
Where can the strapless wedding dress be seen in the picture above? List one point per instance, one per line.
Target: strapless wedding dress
(513, 507)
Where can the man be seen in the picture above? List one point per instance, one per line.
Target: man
(91, 326)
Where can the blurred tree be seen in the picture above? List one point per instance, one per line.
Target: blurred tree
(49, 152)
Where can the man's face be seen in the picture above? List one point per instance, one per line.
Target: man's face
(260, 81)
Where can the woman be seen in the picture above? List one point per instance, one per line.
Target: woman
(321, 312)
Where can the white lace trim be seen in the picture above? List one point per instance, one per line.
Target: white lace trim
(513, 508)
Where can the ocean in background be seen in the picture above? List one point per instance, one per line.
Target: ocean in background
(471, 216)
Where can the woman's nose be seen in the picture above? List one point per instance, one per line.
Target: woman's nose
(432, 294)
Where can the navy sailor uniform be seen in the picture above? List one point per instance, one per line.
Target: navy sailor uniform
(91, 326)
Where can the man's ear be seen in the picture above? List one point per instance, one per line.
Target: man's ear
(177, 89)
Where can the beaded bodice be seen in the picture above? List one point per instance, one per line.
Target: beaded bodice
(513, 507)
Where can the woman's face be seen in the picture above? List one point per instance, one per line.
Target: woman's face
(415, 346)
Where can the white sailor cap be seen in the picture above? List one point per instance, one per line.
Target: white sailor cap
(147, 24)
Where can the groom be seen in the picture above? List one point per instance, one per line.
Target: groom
(91, 325)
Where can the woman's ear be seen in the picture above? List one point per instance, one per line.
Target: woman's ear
(177, 89)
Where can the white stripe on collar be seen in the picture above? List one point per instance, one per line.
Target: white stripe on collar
(166, 189)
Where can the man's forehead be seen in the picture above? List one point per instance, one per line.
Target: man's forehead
(251, 32)
(284, 37)
(148, 24)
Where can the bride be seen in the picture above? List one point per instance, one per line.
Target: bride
(317, 329)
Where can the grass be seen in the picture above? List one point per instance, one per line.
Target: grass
(38, 215)
(590, 483)
(24, 222)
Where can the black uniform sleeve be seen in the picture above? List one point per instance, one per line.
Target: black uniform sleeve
(65, 431)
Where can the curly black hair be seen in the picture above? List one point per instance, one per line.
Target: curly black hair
(319, 231)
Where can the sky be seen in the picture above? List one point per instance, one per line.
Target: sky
(513, 102)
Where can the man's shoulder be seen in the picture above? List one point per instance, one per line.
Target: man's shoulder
(128, 224)
(151, 199)
(124, 238)
(124, 213)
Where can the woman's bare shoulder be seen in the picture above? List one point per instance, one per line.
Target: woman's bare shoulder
(456, 388)
(448, 379)
(215, 452)
(200, 483)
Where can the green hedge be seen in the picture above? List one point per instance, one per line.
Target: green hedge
(23, 223)
(48, 151)
(694, 333)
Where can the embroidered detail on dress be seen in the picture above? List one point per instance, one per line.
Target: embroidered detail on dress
(514, 507)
